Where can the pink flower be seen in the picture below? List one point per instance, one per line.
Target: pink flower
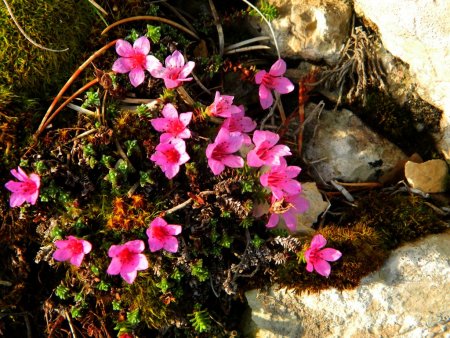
(222, 106)
(175, 72)
(134, 59)
(170, 156)
(71, 249)
(220, 152)
(171, 124)
(240, 124)
(318, 259)
(127, 260)
(279, 179)
(27, 190)
(265, 151)
(272, 81)
(162, 235)
(287, 207)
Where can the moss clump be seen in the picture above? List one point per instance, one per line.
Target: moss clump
(362, 252)
(397, 218)
(58, 24)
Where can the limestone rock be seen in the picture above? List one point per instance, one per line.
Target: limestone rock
(310, 29)
(430, 176)
(409, 297)
(418, 33)
(339, 146)
(316, 207)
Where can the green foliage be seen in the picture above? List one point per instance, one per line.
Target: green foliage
(201, 320)
(199, 271)
(267, 9)
(154, 33)
(103, 286)
(92, 100)
(62, 291)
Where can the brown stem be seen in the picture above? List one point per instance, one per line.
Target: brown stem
(69, 82)
(151, 18)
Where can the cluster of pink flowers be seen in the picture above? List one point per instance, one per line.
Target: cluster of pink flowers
(171, 151)
(286, 202)
(134, 59)
(126, 259)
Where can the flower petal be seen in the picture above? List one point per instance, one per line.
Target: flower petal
(318, 242)
(114, 267)
(187, 69)
(169, 111)
(173, 229)
(330, 254)
(259, 76)
(265, 97)
(160, 123)
(233, 161)
(137, 76)
(171, 244)
(129, 277)
(322, 267)
(16, 200)
(154, 66)
(62, 254)
(278, 68)
(185, 118)
(124, 48)
(176, 60)
(282, 85)
(155, 244)
(77, 259)
(273, 221)
(142, 45)
(122, 65)
(216, 166)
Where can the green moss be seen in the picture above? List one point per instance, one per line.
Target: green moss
(56, 24)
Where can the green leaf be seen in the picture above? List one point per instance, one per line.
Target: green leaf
(62, 291)
(133, 317)
(154, 33)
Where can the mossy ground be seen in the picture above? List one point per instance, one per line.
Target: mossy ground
(91, 190)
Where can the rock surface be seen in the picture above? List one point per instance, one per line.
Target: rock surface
(310, 29)
(430, 176)
(418, 32)
(409, 297)
(339, 146)
(316, 207)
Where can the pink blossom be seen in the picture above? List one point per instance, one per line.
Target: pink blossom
(175, 72)
(220, 153)
(134, 59)
(127, 260)
(279, 179)
(27, 190)
(272, 81)
(222, 106)
(162, 235)
(240, 124)
(265, 151)
(287, 207)
(71, 249)
(170, 156)
(317, 259)
(171, 124)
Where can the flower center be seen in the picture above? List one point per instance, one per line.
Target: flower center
(219, 151)
(268, 81)
(176, 127)
(172, 155)
(28, 187)
(262, 150)
(275, 178)
(139, 60)
(75, 247)
(160, 232)
(173, 73)
(126, 256)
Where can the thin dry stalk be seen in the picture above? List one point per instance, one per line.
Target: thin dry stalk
(218, 26)
(69, 82)
(26, 36)
(151, 18)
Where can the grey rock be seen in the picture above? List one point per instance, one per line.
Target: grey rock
(337, 145)
(408, 297)
(310, 29)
